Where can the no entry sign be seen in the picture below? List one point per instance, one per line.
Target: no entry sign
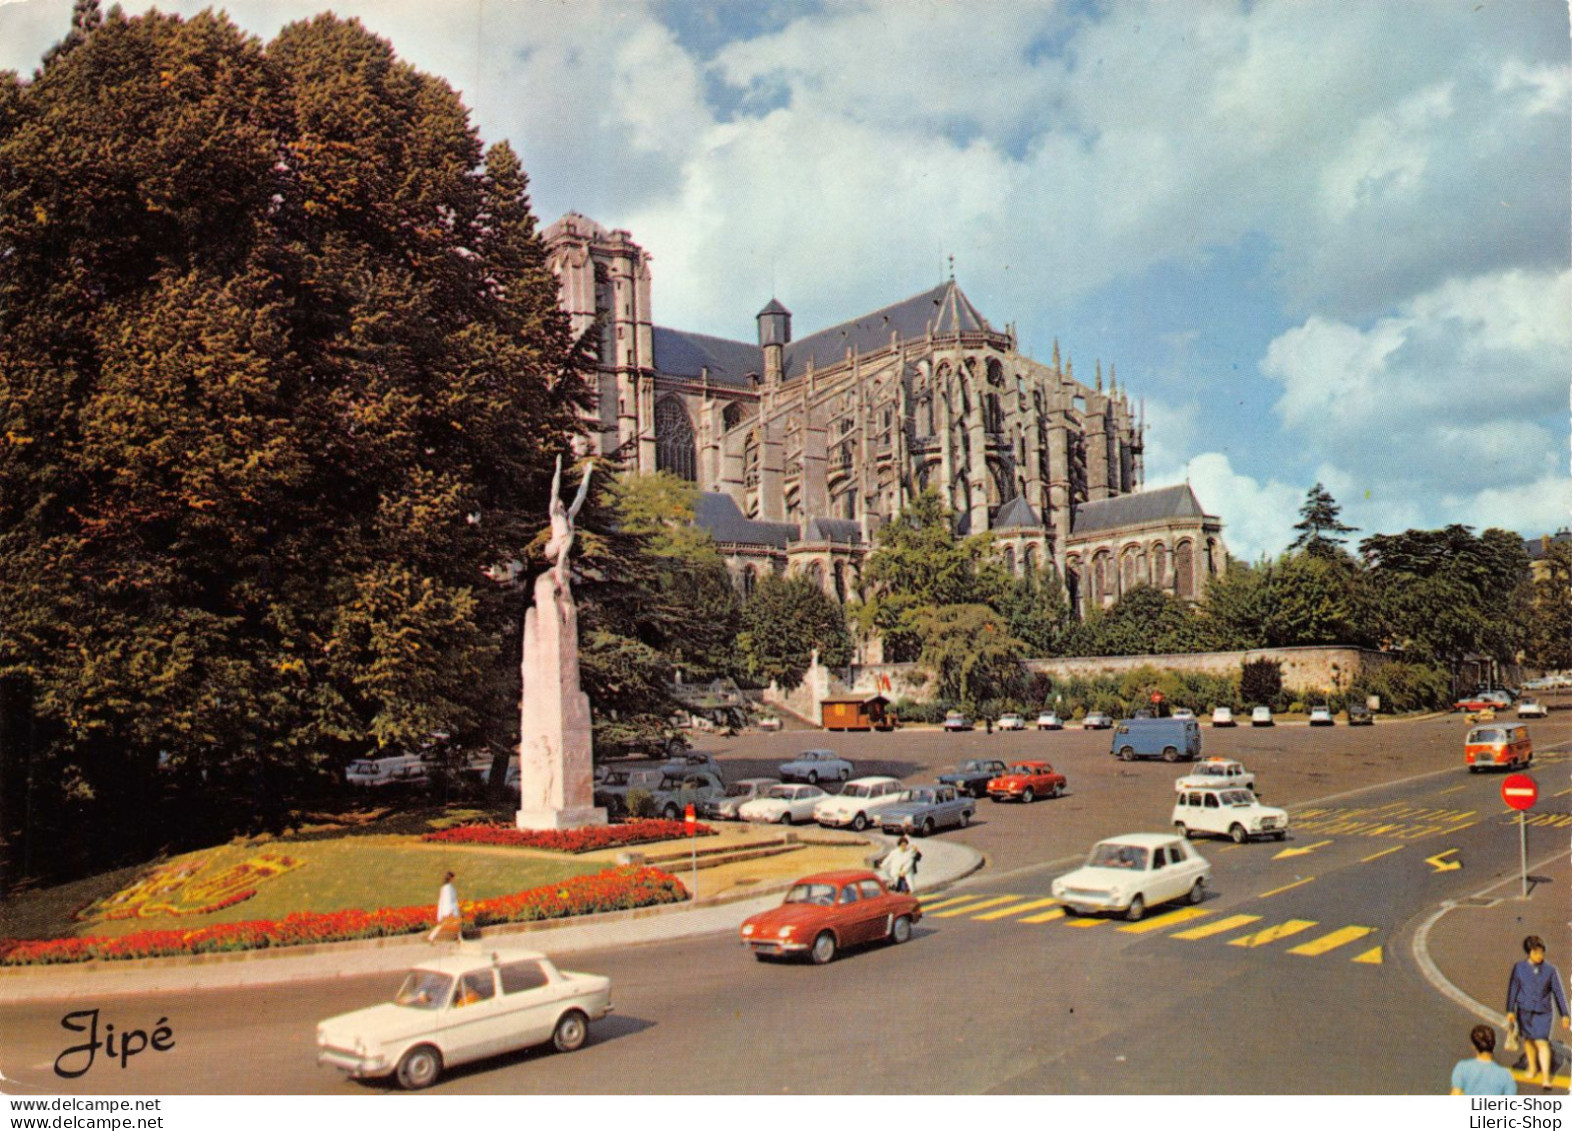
(1519, 791)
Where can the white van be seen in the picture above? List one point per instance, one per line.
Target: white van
(395, 769)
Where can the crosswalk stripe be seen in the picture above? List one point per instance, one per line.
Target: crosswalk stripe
(1045, 917)
(1272, 934)
(1084, 921)
(1218, 927)
(969, 908)
(1332, 941)
(930, 908)
(1019, 909)
(1183, 915)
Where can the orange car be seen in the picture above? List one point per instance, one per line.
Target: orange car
(826, 912)
(1027, 781)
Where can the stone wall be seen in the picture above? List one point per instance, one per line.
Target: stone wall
(1317, 668)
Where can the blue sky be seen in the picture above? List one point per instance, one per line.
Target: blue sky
(1319, 241)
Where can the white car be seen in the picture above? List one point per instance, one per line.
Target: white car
(1009, 722)
(1223, 717)
(1049, 720)
(1531, 708)
(768, 722)
(395, 769)
(1215, 772)
(859, 803)
(1321, 716)
(1097, 720)
(1229, 811)
(1182, 713)
(1130, 873)
(783, 805)
(738, 794)
(462, 1007)
(1259, 717)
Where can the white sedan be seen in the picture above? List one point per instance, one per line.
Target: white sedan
(1049, 720)
(1261, 717)
(783, 805)
(1010, 722)
(859, 803)
(1531, 708)
(1130, 873)
(463, 1007)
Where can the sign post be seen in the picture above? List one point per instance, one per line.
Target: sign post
(1520, 791)
(691, 819)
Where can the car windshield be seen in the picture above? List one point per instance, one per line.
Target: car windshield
(1238, 797)
(821, 894)
(1023, 768)
(1487, 734)
(784, 792)
(362, 767)
(1126, 856)
(920, 796)
(1210, 771)
(424, 989)
(857, 791)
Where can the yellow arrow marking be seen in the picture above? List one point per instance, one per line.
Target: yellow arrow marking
(1218, 927)
(1370, 957)
(1383, 852)
(1332, 941)
(1286, 887)
(1272, 934)
(1029, 905)
(1301, 851)
(1184, 915)
(1441, 864)
(969, 908)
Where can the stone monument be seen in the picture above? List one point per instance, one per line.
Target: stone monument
(556, 775)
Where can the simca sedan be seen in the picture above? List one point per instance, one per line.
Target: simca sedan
(463, 1007)
(814, 766)
(1027, 781)
(1217, 771)
(1130, 873)
(1232, 812)
(973, 775)
(783, 804)
(925, 808)
(858, 803)
(824, 913)
(738, 793)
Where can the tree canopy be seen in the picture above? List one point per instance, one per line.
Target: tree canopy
(1319, 525)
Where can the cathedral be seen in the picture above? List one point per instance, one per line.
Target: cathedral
(803, 447)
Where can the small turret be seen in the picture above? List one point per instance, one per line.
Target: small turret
(774, 334)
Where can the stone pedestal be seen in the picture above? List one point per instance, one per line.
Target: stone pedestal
(556, 774)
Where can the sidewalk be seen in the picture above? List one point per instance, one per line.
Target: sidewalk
(751, 887)
(1467, 948)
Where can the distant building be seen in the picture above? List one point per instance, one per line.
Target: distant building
(1539, 550)
(804, 447)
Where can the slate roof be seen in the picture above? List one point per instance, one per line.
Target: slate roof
(944, 309)
(1015, 514)
(1130, 510)
(681, 354)
(843, 530)
(720, 515)
(1538, 548)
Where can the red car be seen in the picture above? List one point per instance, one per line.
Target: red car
(1027, 781)
(828, 911)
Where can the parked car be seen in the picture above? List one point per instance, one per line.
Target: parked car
(1181, 713)
(973, 775)
(1130, 873)
(693, 760)
(671, 791)
(464, 1007)
(1049, 720)
(1530, 708)
(924, 809)
(814, 766)
(1359, 715)
(1223, 717)
(1027, 781)
(829, 912)
(394, 769)
(612, 790)
(956, 721)
(1261, 717)
(1322, 716)
(1096, 721)
(1493, 699)
(1009, 722)
(1216, 772)
(1228, 811)
(1498, 744)
(859, 802)
(737, 793)
(783, 805)
(1168, 739)
(768, 722)
(616, 740)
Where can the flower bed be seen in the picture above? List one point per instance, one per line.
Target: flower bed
(616, 889)
(586, 839)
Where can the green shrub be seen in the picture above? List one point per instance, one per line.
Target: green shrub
(1405, 686)
(639, 803)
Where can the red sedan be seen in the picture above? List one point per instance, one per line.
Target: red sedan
(823, 913)
(1027, 781)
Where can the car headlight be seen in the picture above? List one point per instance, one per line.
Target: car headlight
(747, 928)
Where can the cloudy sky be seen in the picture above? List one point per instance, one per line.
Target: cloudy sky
(1320, 241)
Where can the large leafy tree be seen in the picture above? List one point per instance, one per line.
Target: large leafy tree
(281, 375)
(971, 652)
(1143, 621)
(1549, 643)
(1320, 527)
(784, 622)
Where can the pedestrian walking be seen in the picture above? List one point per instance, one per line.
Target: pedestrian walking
(450, 921)
(1480, 1075)
(900, 865)
(1533, 994)
(988, 722)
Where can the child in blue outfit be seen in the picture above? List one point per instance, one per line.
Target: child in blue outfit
(1480, 1075)
(1534, 991)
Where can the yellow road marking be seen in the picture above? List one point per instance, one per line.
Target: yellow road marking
(1216, 928)
(1563, 793)
(1454, 789)
(929, 908)
(1272, 934)
(1524, 1078)
(1302, 851)
(1030, 905)
(1383, 852)
(1332, 941)
(1045, 917)
(1286, 887)
(968, 909)
(1183, 915)
(1084, 921)
(1370, 957)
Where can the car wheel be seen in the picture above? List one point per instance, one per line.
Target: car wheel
(860, 822)
(1197, 892)
(1069, 912)
(1055, 790)
(966, 818)
(670, 812)
(1126, 753)
(1180, 830)
(927, 826)
(1279, 836)
(844, 774)
(1027, 796)
(786, 817)
(572, 1031)
(419, 1067)
(1136, 911)
(1170, 754)
(901, 929)
(823, 949)
(1238, 833)
(813, 777)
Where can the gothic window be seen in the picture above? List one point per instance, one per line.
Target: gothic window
(925, 415)
(1159, 566)
(1184, 568)
(840, 582)
(816, 575)
(1212, 567)
(846, 505)
(747, 581)
(731, 415)
(995, 374)
(1131, 571)
(1009, 558)
(993, 417)
(1029, 559)
(674, 439)
(1072, 584)
(1003, 485)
